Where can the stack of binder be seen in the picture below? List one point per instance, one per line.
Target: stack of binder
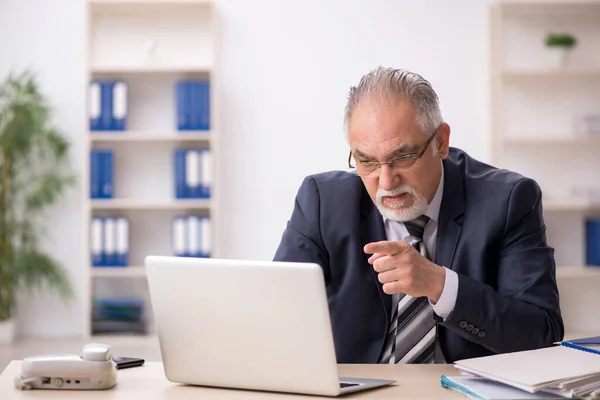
(193, 105)
(118, 315)
(570, 369)
(108, 105)
(193, 173)
(192, 236)
(101, 174)
(110, 241)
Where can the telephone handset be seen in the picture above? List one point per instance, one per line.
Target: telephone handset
(93, 369)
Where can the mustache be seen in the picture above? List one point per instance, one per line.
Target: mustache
(381, 193)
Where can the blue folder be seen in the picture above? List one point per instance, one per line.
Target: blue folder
(95, 178)
(106, 105)
(106, 174)
(592, 241)
(181, 191)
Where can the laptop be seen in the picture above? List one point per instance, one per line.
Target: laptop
(255, 325)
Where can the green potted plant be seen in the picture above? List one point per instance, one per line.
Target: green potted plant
(33, 175)
(559, 45)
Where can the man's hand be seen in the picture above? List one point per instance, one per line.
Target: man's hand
(402, 269)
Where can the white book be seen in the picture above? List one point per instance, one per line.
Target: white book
(193, 232)
(122, 235)
(206, 168)
(94, 100)
(179, 243)
(205, 236)
(120, 100)
(192, 165)
(96, 240)
(109, 239)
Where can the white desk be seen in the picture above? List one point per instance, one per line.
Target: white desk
(149, 382)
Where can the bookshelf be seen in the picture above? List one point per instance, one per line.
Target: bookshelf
(151, 45)
(537, 109)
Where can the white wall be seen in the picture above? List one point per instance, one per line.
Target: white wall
(286, 70)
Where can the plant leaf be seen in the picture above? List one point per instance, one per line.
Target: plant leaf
(34, 269)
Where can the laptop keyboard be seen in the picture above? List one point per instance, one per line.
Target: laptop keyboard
(346, 384)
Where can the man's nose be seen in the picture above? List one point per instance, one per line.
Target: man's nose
(388, 179)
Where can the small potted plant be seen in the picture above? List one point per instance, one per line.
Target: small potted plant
(559, 45)
(33, 175)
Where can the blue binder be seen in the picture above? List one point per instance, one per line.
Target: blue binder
(182, 96)
(179, 237)
(179, 174)
(110, 252)
(592, 245)
(106, 107)
(119, 106)
(95, 178)
(193, 173)
(96, 242)
(194, 99)
(121, 241)
(106, 174)
(205, 174)
(205, 238)
(203, 105)
(94, 109)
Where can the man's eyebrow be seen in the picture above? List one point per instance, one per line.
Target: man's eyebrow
(361, 154)
(404, 149)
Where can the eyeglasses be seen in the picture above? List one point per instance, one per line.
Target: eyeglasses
(371, 168)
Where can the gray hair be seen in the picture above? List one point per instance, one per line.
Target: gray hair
(388, 86)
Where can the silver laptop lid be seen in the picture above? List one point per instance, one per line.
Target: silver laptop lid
(243, 324)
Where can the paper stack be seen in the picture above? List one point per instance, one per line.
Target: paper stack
(568, 370)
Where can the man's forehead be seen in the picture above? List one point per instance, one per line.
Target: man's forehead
(386, 121)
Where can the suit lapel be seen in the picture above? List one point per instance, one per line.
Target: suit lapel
(372, 230)
(451, 212)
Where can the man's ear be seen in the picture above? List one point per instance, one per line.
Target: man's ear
(442, 141)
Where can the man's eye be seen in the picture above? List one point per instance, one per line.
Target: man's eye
(368, 163)
(405, 157)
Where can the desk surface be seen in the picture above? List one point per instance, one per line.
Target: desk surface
(149, 382)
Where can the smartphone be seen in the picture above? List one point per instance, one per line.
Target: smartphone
(128, 362)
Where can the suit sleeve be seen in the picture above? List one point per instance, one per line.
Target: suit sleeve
(523, 312)
(301, 240)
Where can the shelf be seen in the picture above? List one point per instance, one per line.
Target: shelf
(152, 69)
(149, 136)
(579, 272)
(556, 140)
(118, 272)
(135, 204)
(147, 2)
(551, 73)
(563, 6)
(570, 205)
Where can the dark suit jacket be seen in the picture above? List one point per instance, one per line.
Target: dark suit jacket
(490, 231)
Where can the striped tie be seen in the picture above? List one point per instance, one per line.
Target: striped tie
(413, 331)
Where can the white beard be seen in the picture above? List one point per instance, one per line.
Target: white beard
(401, 214)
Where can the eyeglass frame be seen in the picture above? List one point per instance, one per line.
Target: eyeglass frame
(412, 157)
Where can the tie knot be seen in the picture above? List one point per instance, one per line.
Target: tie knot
(416, 226)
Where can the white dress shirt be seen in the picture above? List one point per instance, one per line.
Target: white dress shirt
(397, 231)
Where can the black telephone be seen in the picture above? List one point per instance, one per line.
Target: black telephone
(128, 362)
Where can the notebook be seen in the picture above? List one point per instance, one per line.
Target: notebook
(566, 368)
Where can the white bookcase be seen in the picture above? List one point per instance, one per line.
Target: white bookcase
(537, 129)
(151, 45)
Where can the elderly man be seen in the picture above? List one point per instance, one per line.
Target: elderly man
(428, 254)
